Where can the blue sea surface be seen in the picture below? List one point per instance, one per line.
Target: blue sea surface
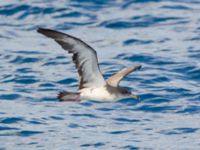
(161, 35)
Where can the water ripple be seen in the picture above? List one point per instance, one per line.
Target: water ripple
(142, 21)
(11, 120)
(9, 96)
(96, 145)
(27, 133)
(179, 131)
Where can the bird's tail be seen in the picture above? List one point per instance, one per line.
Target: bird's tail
(69, 96)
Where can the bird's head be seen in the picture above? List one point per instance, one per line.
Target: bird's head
(127, 92)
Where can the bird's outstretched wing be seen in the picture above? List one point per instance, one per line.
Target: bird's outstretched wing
(84, 57)
(117, 77)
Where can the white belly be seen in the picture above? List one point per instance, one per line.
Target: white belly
(98, 94)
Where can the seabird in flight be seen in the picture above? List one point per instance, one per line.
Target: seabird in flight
(92, 84)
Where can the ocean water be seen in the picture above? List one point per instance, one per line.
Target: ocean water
(161, 35)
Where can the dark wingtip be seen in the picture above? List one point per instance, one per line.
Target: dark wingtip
(39, 30)
(138, 67)
(50, 33)
(43, 30)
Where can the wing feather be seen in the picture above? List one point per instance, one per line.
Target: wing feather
(115, 79)
(84, 57)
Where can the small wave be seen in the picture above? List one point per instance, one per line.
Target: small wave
(141, 22)
(11, 120)
(27, 133)
(96, 145)
(179, 131)
(84, 115)
(67, 81)
(136, 41)
(9, 96)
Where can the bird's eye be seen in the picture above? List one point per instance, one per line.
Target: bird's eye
(127, 92)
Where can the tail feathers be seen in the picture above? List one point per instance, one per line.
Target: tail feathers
(69, 96)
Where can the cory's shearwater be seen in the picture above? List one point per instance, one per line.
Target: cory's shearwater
(92, 84)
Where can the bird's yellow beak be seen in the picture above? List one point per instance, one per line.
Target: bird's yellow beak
(135, 97)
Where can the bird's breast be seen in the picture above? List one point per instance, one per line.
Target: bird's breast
(97, 94)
